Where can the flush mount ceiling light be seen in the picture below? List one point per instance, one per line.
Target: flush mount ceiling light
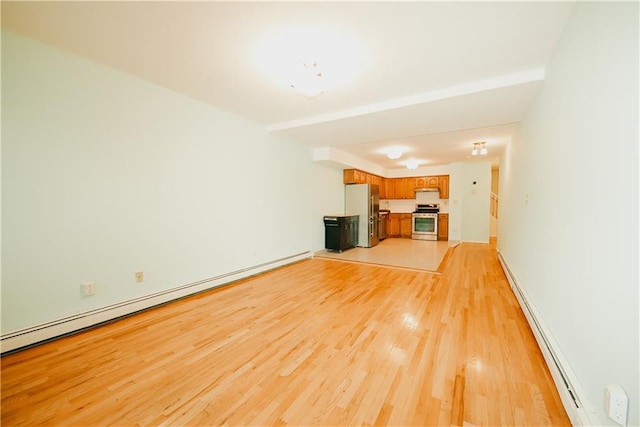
(309, 81)
(479, 148)
(412, 164)
(310, 58)
(394, 153)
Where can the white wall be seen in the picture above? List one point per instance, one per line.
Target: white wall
(104, 174)
(325, 194)
(456, 173)
(468, 202)
(343, 160)
(493, 224)
(576, 150)
(476, 200)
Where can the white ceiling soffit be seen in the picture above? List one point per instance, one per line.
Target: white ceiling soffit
(481, 104)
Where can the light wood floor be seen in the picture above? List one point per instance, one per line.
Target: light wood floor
(319, 342)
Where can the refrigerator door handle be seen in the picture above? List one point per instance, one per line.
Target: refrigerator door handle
(371, 210)
(371, 201)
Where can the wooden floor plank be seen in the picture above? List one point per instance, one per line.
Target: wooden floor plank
(319, 342)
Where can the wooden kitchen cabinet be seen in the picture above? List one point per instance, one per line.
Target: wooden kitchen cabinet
(399, 225)
(404, 188)
(427, 182)
(390, 188)
(398, 188)
(393, 225)
(443, 185)
(354, 176)
(341, 232)
(405, 225)
(398, 184)
(432, 182)
(376, 180)
(443, 226)
(409, 188)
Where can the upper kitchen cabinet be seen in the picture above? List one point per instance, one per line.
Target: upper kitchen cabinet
(399, 185)
(403, 188)
(443, 185)
(409, 188)
(426, 182)
(389, 189)
(432, 182)
(354, 176)
(398, 188)
(383, 188)
(376, 180)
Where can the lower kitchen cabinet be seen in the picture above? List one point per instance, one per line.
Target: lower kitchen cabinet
(393, 225)
(443, 226)
(399, 225)
(406, 225)
(340, 232)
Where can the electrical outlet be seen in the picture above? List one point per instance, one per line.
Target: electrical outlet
(616, 403)
(139, 276)
(88, 288)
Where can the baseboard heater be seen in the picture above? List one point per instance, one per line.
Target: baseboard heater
(19, 339)
(564, 379)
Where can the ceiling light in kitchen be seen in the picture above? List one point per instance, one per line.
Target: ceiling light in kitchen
(412, 164)
(479, 147)
(394, 153)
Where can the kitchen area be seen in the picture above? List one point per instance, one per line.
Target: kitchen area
(400, 218)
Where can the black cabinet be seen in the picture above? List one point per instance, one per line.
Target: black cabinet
(340, 232)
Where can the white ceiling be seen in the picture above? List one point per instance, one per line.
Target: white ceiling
(432, 77)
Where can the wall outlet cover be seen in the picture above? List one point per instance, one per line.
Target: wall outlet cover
(88, 288)
(616, 403)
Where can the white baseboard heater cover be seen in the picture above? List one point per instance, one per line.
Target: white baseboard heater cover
(578, 409)
(46, 331)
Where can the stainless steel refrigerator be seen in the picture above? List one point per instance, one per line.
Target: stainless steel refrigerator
(364, 200)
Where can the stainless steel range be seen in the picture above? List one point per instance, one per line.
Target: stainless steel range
(424, 222)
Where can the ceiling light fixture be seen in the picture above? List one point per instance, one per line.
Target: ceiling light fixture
(394, 153)
(308, 81)
(284, 52)
(479, 148)
(412, 164)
